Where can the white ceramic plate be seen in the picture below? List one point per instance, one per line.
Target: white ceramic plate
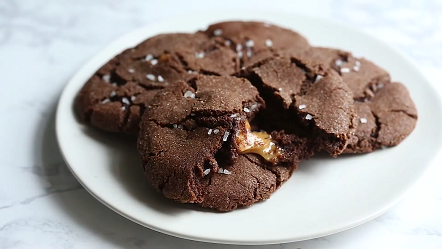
(324, 196)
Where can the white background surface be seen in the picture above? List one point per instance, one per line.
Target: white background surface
(43, 43)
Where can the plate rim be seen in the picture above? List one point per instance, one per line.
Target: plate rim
(91, 61)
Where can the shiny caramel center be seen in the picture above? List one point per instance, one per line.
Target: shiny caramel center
(260, 143)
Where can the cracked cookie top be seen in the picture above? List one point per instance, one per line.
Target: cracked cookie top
(118, 93)
(190, 139)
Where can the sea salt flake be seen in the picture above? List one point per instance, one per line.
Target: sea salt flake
(250, 43)
(154, 62)
(123, 108)
(221, 170)
(125, 101)
(238, 47)
(217, 32)
(150, 77)
(113, 94)
(192, 114)
(106, 78)
(302, 107)
(280, 89)
(131, 70)
(318, 78)
(345, 70)
(189, 94)
(246, 109)
(175, 126)
(160, 78)
(191, 72)
(215, 131)
(180, 127)
(227, 42)
(227, 172)
(358, 63)
(105, 101)
(309, 117)
(269, 43)
(206, 172)
(249, 53)
(133, 98)
(339, 63)
(355, 68)
(200, 55)
(148, 57)
(239, 54)
(233, 115)
(226, 135)
(209, 132)
(363, 120)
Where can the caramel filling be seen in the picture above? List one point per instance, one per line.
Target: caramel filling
(260, 143)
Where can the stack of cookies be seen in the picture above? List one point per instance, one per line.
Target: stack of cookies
(224, 116)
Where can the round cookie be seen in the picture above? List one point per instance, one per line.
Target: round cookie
(117, 94)
(386, 113)
(191, 142)
(312, 102)
(256, 41)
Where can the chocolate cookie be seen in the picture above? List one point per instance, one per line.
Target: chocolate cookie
(256, 41)
(118, 93)
(386, 113)
(197, 145)
(312, 102)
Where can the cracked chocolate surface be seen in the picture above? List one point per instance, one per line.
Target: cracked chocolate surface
(188, 145)
(386, 115)
(136, 75)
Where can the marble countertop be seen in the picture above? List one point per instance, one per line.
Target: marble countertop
(44, 42)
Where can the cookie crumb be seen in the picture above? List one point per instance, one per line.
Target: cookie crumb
(345, 70)
(308, 117)
(189, 94)
(269, 43)
(302, 107)
(154, 62)
(125, 101)
(160, 78)
(206, 172)
(363, 120)
(226, 136)
(200, 55)
(250, 43)
(106, 78)
(215, 131)
(355, 68)
(148, 57)
(217, 32)
(191, 72)
(131, 70)
(150, 77)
